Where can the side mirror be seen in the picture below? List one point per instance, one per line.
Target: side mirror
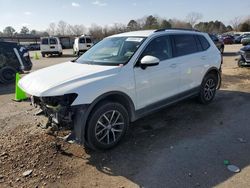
(149, 60)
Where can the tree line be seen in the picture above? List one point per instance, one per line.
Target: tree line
(148, 22)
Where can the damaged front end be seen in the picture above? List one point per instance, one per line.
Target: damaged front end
(58, 109)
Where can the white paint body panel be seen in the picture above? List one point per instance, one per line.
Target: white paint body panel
(144, 87)
(51, 47)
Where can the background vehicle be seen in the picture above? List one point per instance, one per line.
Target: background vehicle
(245, 41)
(123, 78)
(244, 56)
(82, 44)
(238, 39)
(33, 46)
(228, 39)
(50, 46)
(218, 42)
(13, 58)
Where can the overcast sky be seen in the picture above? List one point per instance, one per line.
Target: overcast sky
(37, 14)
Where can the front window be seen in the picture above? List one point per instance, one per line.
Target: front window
(112, 51)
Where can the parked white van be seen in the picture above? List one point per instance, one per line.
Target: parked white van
(82, 44)
(50, 46)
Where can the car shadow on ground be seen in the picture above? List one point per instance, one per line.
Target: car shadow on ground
(184, 145)
(228, 54)
(64, 55)
(7, 89)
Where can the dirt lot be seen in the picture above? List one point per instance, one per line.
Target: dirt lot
(182, 146)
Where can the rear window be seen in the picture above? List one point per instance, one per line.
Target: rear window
(88, 40)
(204, 43)
(82, 40)
(45, 41)
(184, 45)
(52, 41)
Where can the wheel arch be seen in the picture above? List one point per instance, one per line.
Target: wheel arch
(215, 71)
(84, 111)
(116, 96)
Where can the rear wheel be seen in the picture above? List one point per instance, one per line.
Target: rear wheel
(60, 54)
(208, 89)
(7, 75)
(43, 54)
(107, 125)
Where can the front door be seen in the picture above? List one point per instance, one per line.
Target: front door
(156, 83)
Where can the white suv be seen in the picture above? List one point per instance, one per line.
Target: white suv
(125, 77)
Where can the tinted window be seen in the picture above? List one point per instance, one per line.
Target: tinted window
(88, 40)
(185, 44)
(52, 41)
(45, 41)
(204, 43)
(82, 40)
(159, 47)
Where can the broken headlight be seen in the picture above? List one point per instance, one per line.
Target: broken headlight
(63, 100)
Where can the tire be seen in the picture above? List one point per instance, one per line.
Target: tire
(208, 89)
(240, 62)
(78, 54)
(43, 54)
(7, 75)
(60, 54)
(107, 125)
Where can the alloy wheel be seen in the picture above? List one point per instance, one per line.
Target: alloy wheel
(109, 127)
(209, 89)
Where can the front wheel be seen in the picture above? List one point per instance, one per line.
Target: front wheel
(208, 89)
(107, 125)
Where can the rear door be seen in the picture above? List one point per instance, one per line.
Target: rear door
(82, 43)
(191, 60)
(53, 45)
(89, 42)
(45, 45)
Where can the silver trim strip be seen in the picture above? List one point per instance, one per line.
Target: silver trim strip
(19, 58)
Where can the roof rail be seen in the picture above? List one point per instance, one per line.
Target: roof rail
(183, 29)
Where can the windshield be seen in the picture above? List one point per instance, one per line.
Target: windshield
(112, 51)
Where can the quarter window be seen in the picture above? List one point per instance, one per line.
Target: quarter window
(204, 43)
(159, 47)
(184, 45)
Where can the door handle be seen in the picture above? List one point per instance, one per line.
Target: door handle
(203, 57)
(173, 65)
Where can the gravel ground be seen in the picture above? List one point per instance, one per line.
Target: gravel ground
(182, 146)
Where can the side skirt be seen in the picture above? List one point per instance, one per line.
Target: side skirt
(166, 102)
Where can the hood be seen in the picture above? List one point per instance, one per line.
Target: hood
(246, 48)
(65, 76)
